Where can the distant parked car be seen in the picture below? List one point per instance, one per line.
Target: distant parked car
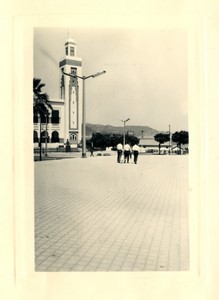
(99, 149)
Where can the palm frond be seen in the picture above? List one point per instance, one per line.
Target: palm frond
(41, 101)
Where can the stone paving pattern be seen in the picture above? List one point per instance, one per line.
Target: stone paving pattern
(93, 214)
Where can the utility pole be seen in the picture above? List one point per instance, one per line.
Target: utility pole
(124, 121)
(84, 107)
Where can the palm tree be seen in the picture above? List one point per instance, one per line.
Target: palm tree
(41, 104)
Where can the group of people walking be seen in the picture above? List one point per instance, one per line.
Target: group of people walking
(128, 151)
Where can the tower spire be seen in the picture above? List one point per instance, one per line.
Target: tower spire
(68, 34)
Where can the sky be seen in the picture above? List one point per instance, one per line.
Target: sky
(146, 73)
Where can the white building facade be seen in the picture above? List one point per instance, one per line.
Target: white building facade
(65, 120)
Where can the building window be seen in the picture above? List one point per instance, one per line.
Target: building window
(62, 86)
(35, 117)
(62, 78)
(44, 119)
(55, 117)
(55, 137)
(35, 136)
(66, 50)
(73, 137)
(73, 71)
(72, 51)
(44, 135)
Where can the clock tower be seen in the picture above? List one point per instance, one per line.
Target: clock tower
(71, 93)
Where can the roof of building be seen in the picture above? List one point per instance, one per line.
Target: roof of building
(182, 146)
(70, 40)
(150, 141)
(153, 143)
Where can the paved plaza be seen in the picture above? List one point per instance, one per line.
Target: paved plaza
(94, 214)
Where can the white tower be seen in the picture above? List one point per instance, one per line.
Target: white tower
(71, 92)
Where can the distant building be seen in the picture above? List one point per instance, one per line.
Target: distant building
(183, 150)
(149, 145)
(64, 122)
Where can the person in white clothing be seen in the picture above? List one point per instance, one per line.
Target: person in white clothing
(126, 153)
(135, 150)
(119, 152)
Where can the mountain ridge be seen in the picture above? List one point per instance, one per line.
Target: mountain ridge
(137, 130)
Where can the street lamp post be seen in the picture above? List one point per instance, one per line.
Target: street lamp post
(84, 107)
(40, 143)
(124, 121)
(46, 135)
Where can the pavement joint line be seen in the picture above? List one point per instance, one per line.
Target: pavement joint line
(162, 235)
(91, 259)
(116, 213)
(128, 251)
(145, 265)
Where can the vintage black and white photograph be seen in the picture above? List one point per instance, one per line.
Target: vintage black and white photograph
(110, 149)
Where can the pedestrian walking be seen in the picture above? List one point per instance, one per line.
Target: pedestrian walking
(91, 149)
(119, 152)
(126, 153)
(136, 150)
(130, 151)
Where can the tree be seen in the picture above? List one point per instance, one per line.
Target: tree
(161, 138)
(180, 138)
(41, 104)
(131, 139)
(98, 140)
(103, 140)
(115, 139)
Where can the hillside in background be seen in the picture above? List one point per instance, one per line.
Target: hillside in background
(137, 130)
